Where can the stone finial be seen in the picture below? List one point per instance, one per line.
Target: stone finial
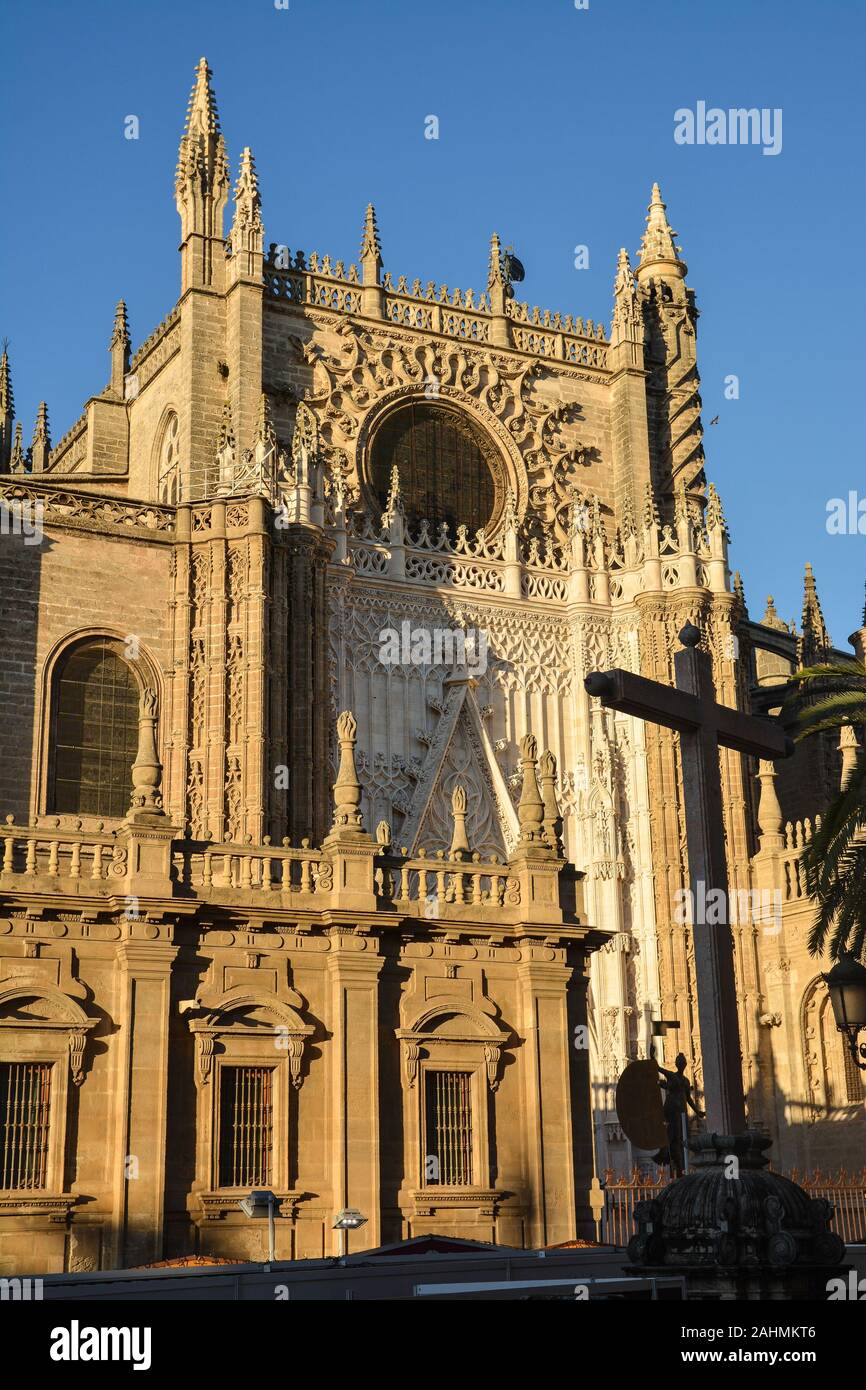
(627, 322)
(119, 348)
(715, 514)
(383, 835)
(849, 747)
(495, 267)
(40, 446)
(769, 810)
(459, 843)
(552, 815)
(248, 202)
(814, 642)
(147, 769)
(7, 408)
(246, 238)
(530, 809)
(509, 511)
(371, 249)
(657, 243)
(347, 788)
(305, 442)
(740, 592)
(771, 616)
(18, 460)
(629, 525)
(394, 502)
(651, 518)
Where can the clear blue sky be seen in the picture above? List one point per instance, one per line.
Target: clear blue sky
(554, 123)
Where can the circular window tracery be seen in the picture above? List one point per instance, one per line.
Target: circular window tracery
(448, 466)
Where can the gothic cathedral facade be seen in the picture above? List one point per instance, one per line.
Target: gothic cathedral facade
(321, 872)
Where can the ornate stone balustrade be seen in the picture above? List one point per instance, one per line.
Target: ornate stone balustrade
(797, 836)
(67, 861)
(441, 886)
(454, 313)
(88, 510)
(203, 869)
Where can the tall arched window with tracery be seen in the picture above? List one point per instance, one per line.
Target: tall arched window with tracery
(169, 463)
(94, 731)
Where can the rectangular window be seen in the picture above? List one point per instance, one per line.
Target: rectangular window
(246, 1123)
(24, 1108)
(448, 1105)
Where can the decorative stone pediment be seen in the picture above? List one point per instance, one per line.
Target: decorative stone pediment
(34, 1006)
(447, 1010)
(246, 1011)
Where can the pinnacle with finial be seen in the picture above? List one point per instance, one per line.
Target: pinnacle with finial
(40, 431)
(370, 245)
(495, 271)
(657, 243)
(7, 402)
(651, 518)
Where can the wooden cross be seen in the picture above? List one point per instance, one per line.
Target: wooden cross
(702, 724)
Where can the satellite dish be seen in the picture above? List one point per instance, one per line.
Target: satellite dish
(513, 268)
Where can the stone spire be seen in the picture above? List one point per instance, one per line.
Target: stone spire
(18, 458)
(495, 269)
(673, 382)
(658, 253)
(651, 518)
(499, 291)
(394, 501)
(7, 409)
(247, 233)
(119, 347)
(627, 326)
(371, 266)
(40, 446)
(740, 592)
(814, 642)
(715, 514)
(201, 187)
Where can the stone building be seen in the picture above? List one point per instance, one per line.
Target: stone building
(319, 866)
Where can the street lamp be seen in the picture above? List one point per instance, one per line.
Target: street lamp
(259, 1202)
(349, 1219)
(846, 983)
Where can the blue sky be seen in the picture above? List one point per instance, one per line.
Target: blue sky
(554, 122)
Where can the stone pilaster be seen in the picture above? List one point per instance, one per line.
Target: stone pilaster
(138, 1159)
(354, 965)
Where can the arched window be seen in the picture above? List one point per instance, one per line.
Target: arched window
(834, 1079)
(94, 734)
(169, 463)
(446, 465)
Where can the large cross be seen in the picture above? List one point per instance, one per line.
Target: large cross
(702, 724)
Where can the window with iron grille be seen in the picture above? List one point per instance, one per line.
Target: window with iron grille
(448, 1104)
(246, 1124)
(24, 1109)
(442, 458)
(95, 733)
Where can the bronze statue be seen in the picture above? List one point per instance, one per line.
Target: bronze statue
(678, 1095)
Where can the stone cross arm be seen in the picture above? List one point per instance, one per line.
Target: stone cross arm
(680, 710)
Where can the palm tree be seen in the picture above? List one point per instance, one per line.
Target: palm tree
(830, 696)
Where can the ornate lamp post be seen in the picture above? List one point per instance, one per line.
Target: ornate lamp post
(846, 983)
